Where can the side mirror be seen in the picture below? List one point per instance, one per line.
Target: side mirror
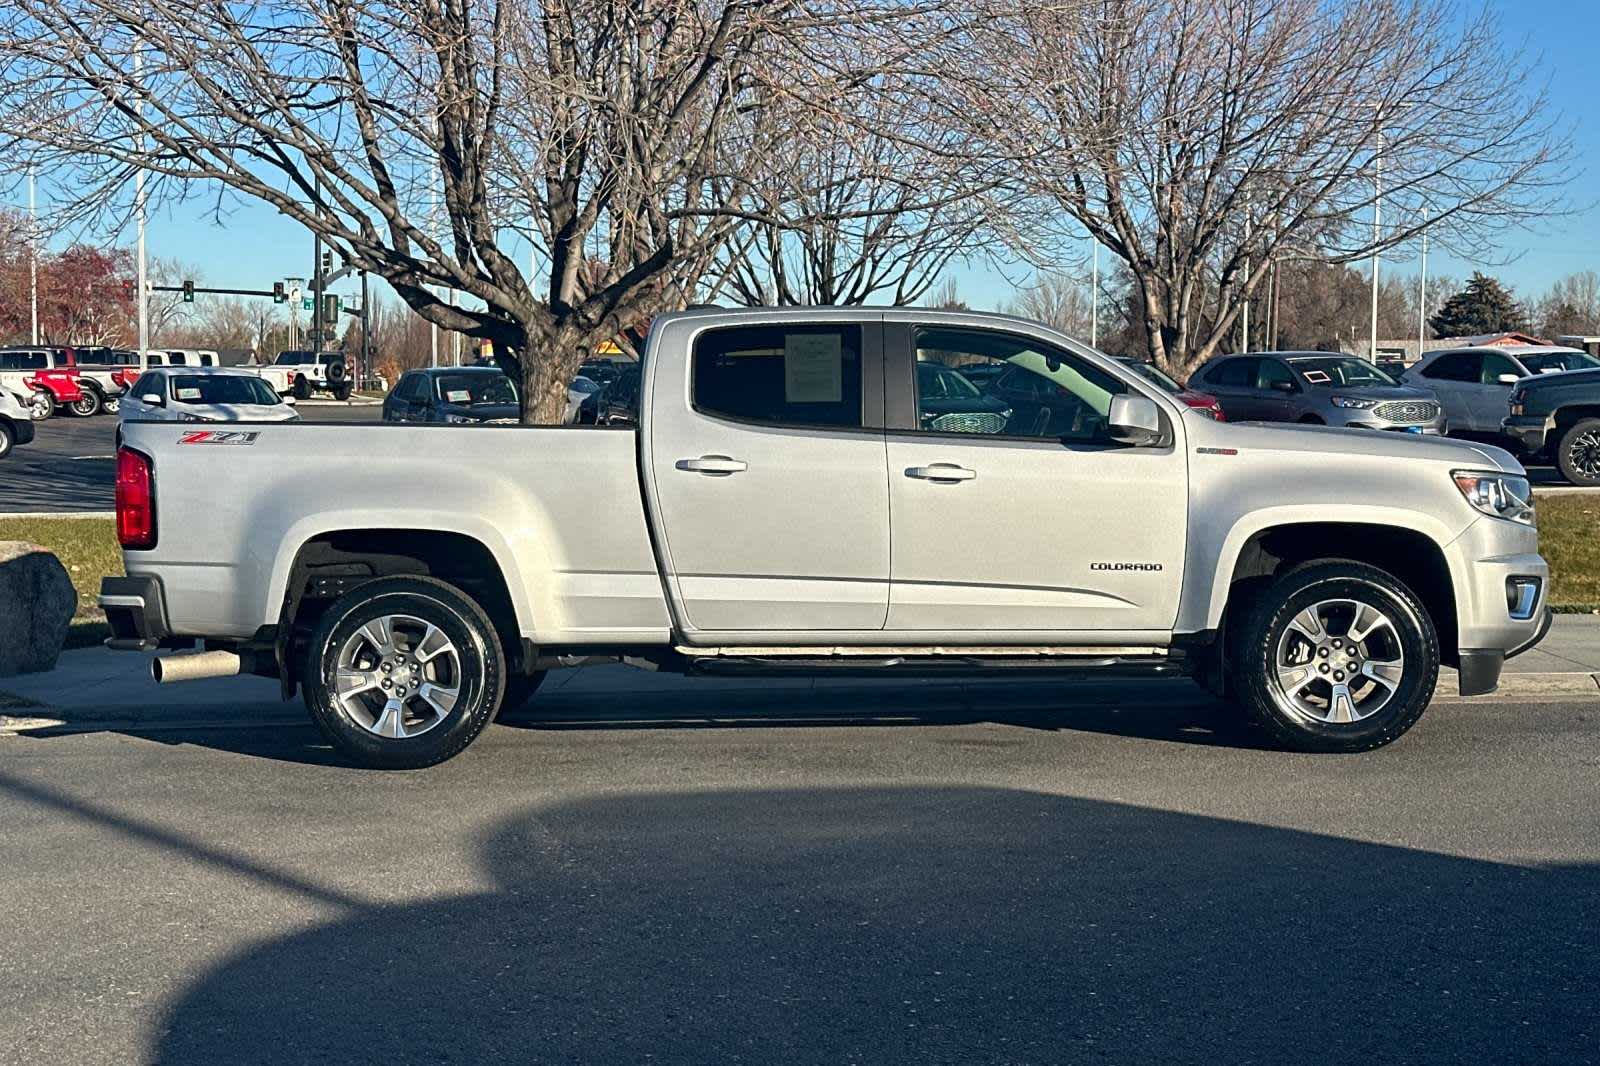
(1285, 386)
(1134, 419)
(153, 399)
(1508, 379)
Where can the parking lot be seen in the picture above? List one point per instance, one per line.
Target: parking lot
(838, 872)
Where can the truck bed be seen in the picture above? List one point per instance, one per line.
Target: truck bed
(562, 504)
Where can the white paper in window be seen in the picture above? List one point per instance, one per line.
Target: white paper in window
(813, 368)
(188, 394)
(457, 396)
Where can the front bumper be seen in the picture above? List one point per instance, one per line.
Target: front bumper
(1530, 432)
(1488, 555)
(1366, 420)
(136, 610)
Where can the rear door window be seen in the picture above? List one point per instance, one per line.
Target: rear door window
(1455, 366)
(1234, 374)
(780, 375)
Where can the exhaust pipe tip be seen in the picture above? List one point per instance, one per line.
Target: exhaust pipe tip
(170, 669)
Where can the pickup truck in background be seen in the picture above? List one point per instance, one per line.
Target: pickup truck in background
(783, 505)
(1556, 418)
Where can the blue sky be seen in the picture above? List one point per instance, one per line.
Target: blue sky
(253, 246)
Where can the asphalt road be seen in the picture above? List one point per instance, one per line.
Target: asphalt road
(887, 878)
(70, 465)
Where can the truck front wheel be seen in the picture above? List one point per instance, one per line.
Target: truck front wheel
(403, 672)
(1335, 656)
(1578, 452)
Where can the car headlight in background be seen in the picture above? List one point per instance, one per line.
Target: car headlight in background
(1519, 398)
(184, 416)
(1351, 401)
(1507, 496)
(458, 420)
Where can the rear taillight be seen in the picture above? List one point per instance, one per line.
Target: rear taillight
(136, 500)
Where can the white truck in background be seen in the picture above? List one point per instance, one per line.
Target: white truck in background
(791, 500)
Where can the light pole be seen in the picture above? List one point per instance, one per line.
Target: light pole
(138, 197)
(1377, 222)
(1422, 292)
(1094, 293)
(33, 257)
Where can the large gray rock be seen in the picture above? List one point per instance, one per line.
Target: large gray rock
(36, 605)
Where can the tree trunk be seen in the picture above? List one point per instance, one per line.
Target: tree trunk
(549, 364)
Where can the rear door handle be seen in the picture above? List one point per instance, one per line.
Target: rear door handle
(715, 465)
(941, 472)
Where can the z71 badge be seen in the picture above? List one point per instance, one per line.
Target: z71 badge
(219, 436)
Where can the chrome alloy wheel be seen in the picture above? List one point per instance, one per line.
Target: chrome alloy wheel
(1338, 661)
(397, 676)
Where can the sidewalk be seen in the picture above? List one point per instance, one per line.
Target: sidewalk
(97, 685)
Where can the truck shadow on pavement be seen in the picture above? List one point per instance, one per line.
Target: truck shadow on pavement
(917, 925)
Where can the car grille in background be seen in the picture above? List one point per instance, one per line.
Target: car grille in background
(970, 423)
(1407, 411)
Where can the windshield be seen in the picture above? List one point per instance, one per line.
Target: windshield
(1550, 362)
(1340, 370)
(1153, 374)
(935, 382)
(471, 389)
(221, 388)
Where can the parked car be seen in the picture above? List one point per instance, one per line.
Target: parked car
(617, 403)
(50, 383)
(1474, 384)
(947, 402)
(782, 509)
(309, 371)
(202, 394)
(458, 395)
(1556, 418)
(582, 395)
(16, 422)
(1203, 402)
(1318, 388)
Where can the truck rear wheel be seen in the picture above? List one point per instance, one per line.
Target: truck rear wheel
(403, 672)
(1578, 452)
(1335, 656)
(88, 404)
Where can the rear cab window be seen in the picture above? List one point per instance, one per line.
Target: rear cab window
(800, 375)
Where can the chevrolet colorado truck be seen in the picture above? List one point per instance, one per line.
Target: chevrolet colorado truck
(782, 505)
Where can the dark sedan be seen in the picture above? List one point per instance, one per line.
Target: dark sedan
(455, 394)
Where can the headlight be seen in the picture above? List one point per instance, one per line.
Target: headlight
(1507, 496)
(1351, 401)
(1519, 398)
(184, 416)
(458, 420)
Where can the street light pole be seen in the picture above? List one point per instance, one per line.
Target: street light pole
(1422, 293)
(139, 200)
(33, 257)
(1377, 222)
(1094, 294)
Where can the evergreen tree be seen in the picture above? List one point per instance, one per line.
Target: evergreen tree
(1484, 306)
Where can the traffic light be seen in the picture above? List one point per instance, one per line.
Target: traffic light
(278, 294)
(330, 308)
(327, 262)
(188, 291)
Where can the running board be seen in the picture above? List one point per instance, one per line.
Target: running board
(933, 662)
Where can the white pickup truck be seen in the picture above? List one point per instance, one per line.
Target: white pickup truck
(299, 373)
(796, 497)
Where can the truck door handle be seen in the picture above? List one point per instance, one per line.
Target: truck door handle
(941, 472)
(715, 465)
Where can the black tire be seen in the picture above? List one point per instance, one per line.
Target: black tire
(519, 690)
(1255, 645)
(301, 388)
(336, 371)
(1578, 452)
(480, 684)
(342, 392)
(88, 404)
(7, 439)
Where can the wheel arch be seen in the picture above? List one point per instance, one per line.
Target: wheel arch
(1412, 549)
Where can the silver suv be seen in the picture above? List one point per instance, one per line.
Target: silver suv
(1321, 388)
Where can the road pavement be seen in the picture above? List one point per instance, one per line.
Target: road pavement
(692, 872)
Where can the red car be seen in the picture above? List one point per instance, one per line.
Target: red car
(1203, 402)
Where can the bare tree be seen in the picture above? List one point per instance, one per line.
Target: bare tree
(1571, 306)
(1058, 300)
(616, 136)
(1199, 140)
